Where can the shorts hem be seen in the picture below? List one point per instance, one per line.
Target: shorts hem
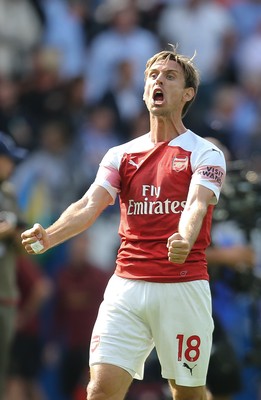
(183, 381)
(133, 373)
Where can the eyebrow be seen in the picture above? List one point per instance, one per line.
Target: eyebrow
(176, 71)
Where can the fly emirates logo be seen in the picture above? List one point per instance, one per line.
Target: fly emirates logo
(147, 206)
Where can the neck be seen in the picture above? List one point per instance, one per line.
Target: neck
(162, 129)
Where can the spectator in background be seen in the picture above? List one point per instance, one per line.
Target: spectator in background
(37, 6)
(233, 116)
(76, 104)
(26, 351)
(227, 3)
(247, 114)
(20, 31)
(123, 98)
(219, 121)
(255, 154)
(122, 39)
(48, 179)
(246, 15)
(79, 291)
(96, 136)
(14, 118)
(64, 33)
(10, 220)
(248, 55)
(139, 124)
(43, 91)
(232, 262)
(207, 29)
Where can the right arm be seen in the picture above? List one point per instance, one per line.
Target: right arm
(78, 217)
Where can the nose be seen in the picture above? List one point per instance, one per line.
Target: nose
(159, 79)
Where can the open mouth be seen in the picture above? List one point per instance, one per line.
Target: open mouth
(158, 97)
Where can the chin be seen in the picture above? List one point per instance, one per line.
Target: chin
(158, 111)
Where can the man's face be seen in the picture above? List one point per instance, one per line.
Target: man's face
(165, 90)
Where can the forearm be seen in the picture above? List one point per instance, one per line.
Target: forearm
(182, 241)
(75, 219)
(236, 256)
(217, 255)
(191, 221)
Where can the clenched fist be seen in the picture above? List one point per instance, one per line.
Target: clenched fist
(35, 240)
(178, 248)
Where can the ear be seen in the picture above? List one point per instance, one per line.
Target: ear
(189, 93)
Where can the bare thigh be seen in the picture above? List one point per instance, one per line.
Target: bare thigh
(187, 393)
(108, 382)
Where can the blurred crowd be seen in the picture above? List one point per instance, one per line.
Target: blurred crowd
(71, 87)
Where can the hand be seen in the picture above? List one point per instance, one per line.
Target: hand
(37, 234)
(178, 248)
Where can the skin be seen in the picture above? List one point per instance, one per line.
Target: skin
(237, 257)
(110, 382)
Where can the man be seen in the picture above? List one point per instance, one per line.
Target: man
(9, 222)
(168, 181)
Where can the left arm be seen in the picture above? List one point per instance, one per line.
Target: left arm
(181, 242)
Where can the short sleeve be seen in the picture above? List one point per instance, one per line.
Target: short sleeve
(210, 171)
(108, 174)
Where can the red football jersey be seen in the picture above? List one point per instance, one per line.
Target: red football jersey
(153, 181)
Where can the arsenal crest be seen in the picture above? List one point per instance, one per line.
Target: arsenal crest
(180, 163)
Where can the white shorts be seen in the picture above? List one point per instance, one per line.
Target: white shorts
(137, 315)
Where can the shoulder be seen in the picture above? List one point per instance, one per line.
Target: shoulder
(190, 141)
(137, 145)
(114, 155)
(193, 142)
(202, 151)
